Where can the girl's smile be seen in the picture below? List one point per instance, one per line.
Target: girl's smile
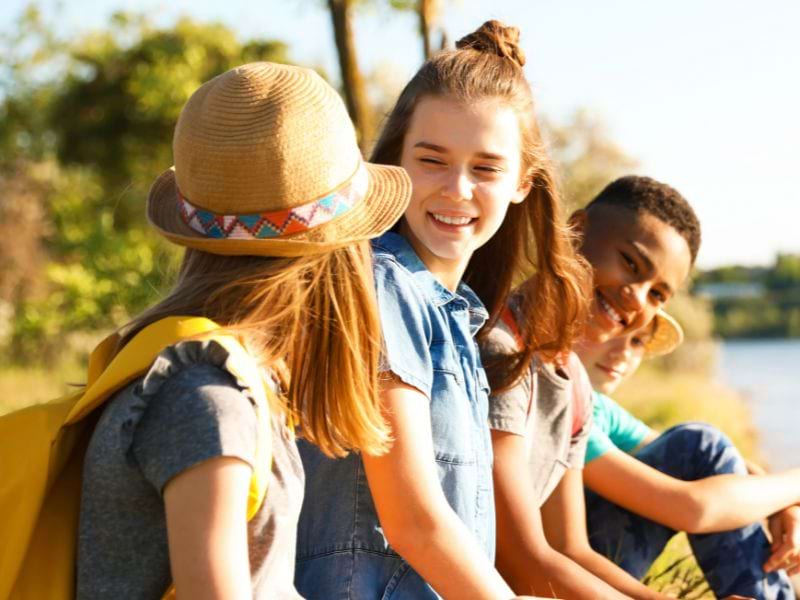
(465, 166)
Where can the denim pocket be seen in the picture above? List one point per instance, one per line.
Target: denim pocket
(443, 359)
(405, 584)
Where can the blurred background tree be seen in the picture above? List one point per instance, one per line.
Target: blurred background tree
(353, 87)
(86, 127)
(587, 157)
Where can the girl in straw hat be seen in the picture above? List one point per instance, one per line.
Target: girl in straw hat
(645, 486)
(273, 203)
(419, 520)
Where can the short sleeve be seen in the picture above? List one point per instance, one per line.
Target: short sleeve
(614, 427)
(581, 410)
(509, 409)
(192, 415)
(625, 431)
(406, 325)
(598, 444)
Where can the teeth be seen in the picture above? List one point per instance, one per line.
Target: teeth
(451, 220)
(607, 307)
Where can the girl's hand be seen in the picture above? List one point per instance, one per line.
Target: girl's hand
(785, 529)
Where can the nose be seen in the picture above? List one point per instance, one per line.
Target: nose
(621, 352)
(458, 185)
(634, 296)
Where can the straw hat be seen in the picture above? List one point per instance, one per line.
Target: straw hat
(266, 163)
(667, 335)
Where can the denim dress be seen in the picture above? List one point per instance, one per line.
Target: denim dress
(429, 344)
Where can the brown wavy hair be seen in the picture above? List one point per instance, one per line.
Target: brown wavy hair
(533, 243)
(312, 321)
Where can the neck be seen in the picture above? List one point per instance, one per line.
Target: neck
(447, 271)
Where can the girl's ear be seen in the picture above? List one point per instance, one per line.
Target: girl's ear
(522, 192)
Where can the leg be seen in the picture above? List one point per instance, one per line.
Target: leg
(730, 560)
(629, 540)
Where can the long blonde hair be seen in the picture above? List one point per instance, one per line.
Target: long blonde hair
(312, 320)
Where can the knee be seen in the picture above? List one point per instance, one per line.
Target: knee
(712, 452)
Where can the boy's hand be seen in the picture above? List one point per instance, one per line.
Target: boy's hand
(785, 551)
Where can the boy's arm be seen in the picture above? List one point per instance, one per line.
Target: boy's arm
(706, 505)
(564, 518)
(524, 557)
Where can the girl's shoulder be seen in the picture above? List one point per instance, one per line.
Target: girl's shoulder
(188, 407)
(205, 359)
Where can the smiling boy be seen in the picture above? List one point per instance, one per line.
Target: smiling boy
(640, 238)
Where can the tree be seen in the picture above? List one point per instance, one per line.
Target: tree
(88, 139)
(428, 16)
(355, 94)
(785, 274)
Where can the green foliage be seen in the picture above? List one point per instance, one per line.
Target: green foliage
(731, 274)
(755, 301)
(785, 274)
(93, 119)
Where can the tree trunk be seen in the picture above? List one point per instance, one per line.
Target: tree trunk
(424, 13)
(353, 83)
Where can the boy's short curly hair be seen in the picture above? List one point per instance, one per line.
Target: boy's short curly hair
(646, 195)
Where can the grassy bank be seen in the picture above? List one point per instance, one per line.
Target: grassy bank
(20, 386)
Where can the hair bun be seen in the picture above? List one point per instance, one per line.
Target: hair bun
(495, 38)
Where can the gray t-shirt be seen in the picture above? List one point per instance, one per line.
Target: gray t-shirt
(550, 407)
(187, 409)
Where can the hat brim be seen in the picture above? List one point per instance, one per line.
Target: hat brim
(387, 197)
(668, 335)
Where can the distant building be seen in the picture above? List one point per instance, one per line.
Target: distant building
(730, 290)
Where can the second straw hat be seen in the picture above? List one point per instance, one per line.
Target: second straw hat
(266, 163)
(667, 335)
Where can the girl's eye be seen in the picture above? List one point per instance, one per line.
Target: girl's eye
(488, 169)
(431, 161)
(629, 262)
(637, 342)
(658, 295)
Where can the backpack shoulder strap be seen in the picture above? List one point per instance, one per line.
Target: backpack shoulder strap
(108, 374)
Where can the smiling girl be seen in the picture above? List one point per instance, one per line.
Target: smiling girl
(421, 517)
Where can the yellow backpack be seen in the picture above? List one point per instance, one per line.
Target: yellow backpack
(42, 449)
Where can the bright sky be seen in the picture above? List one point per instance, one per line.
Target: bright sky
(701, 93)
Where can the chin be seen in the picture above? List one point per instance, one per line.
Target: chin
(607, 388)
(448, 251)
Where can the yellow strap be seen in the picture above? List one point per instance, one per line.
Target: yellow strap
(108, 374)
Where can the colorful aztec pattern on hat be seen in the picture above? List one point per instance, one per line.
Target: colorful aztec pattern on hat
(279, 222)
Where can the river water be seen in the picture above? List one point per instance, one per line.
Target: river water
(767, 372)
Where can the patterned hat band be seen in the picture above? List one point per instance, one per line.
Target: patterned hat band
(278, 222)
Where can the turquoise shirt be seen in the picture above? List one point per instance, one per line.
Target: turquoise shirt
(613, 427)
